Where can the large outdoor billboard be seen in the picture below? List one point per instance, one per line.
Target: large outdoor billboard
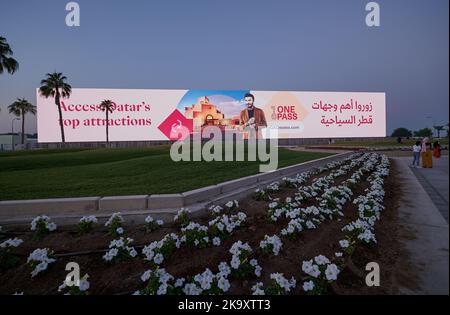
(141, 114)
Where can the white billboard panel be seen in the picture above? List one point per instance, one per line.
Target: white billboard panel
(142, 115)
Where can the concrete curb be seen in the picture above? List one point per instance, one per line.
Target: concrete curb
(69, 210)
(49, 206)
(123, 202)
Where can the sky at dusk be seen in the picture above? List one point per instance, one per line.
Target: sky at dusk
(310, 45)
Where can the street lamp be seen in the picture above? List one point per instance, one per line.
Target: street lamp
(12, 132)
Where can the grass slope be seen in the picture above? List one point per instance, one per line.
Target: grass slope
(108, 172)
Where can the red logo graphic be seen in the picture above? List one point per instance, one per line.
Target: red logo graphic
(171, 126)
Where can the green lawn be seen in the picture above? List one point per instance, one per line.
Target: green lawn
(108, 172)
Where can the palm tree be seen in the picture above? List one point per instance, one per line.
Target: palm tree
(6, 61)
(20, 108)
(439, 129)
(55, 85)
(108, 107)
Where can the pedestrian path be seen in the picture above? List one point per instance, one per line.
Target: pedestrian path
(418, 214)
(435, 181)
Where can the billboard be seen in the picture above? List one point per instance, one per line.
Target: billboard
(150, 114)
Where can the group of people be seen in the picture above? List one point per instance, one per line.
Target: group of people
(423, 150)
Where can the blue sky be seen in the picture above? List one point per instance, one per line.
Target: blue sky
(310, 45)
(191, 97)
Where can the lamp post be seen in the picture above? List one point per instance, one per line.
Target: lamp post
(12, 132)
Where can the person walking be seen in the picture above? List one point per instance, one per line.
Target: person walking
(417, 148)
(437, 149)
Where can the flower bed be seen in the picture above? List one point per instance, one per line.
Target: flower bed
(260, 245)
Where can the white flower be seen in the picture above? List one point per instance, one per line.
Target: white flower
(48, 225)
(119, 230)
(310, 269)
(162, 289)
(216, 241)
(89, 219)
(344, 243)
(158, 259)
(179, 283)
(223, 284)
(224, 269)
(273, 243)
(205, 279)
(235, 262)
(308, 286)
(332, 272)
(62, 286)
(321, 260)
(238, 246)
(338, 254)
(146, 275)
(216, 209)
(12, 242)
(41, 257)
(310, 225)
(258, 270)
(192, 289)
(122, 245)
(51, 226)
(181, 212)
(114, 217)
(257, 289)
(285, 284)
(367, 236)
(84, 285)
(273, 205)
(149, 219)
(241, 216)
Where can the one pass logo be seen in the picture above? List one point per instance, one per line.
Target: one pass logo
(284, 112)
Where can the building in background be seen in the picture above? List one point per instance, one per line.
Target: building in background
(8, 140)
(205, 113)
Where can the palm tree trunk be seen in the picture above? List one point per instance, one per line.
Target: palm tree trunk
(61, 125)
(23, 128)
(107, 129)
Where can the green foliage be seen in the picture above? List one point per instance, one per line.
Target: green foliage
(401, 132)
(425, 132)
(7, 258)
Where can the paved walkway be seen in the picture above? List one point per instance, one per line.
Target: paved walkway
(435, 182)
(419, 215)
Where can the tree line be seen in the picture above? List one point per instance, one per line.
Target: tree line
(424, 132)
